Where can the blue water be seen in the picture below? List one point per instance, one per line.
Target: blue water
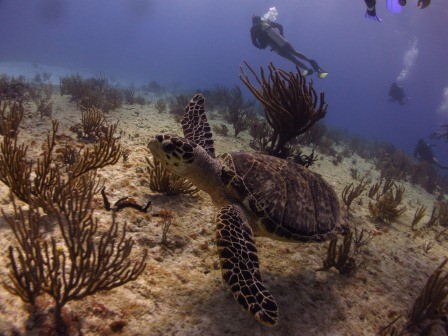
(201, 43)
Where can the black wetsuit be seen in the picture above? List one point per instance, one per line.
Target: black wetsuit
(371, 8)
(260, 37)
(268, 33)
(423, 153)
(443, 134)
(423, 3)
(397, 93)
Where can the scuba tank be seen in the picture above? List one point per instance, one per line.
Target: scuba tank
(273, 34)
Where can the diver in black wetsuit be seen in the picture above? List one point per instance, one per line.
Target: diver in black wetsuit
(371, 7)
(396, 93)
(267, 33)
(371, 10)
(442, 134)
(420, 3)
(423, 153)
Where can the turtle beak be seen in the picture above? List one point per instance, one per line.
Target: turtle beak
(162, 142)
(171, 150)
(163, 149)
(155, 146)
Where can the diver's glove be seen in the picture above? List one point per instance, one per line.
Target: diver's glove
(423, 3)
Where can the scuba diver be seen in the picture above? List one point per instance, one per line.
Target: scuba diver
(423, 153)
(396, 93)
(268, 33)
(371, 10)
(394, 6)
(442, 134)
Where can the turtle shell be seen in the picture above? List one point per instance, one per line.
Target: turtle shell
(285, 200)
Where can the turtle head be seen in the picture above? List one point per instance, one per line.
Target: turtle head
(176, 153)
(188, 159)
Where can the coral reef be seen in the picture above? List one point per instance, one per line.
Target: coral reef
(160, 105)
(17, 171)
(220, 129)
(351, 192)
(162, 180)
(92, 119)
(302, 159)
(165, 219)
(217, 98)
(177, 291)
(427, 315)
(153, 86)
(81, 266)
(419, 213)
(40, 91)
(237, 112)
(290, 104)
(394, 164)
(387, 206)
(75, 259)
(131, 98)
(361, 239)
(11, 114)
(261, 132)
(340, 258)
(91, 92)
(177, 105)
(14, 89)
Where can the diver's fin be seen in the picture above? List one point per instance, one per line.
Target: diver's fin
(438, 164)
(321, 73)
(307, 72)
(442, 167)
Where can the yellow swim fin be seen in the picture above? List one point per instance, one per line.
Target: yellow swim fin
(307, 72)
(322, 74)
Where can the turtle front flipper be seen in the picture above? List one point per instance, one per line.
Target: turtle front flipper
(239, 265)
(195, 124)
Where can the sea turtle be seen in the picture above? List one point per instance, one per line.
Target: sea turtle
(257, 195)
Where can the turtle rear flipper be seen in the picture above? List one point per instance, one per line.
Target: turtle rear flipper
(195, 124)
(239, 265)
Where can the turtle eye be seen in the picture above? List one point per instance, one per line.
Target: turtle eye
(178, 142)
(168, 146)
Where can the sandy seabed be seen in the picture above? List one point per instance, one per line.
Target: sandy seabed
(180, 291)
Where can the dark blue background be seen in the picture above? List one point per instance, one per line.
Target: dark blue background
(200, 43)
